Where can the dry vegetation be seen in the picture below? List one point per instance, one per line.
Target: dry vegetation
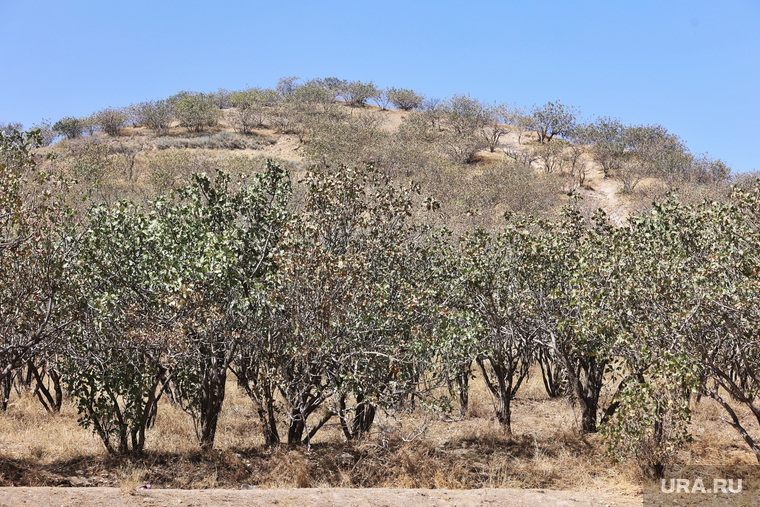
(451, 159)
(546, 451)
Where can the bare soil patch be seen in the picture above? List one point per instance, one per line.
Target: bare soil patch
(312, 497)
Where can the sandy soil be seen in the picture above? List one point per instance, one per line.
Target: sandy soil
(307, 497)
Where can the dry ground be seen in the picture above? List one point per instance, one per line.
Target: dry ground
(307, 497)
(456, 461)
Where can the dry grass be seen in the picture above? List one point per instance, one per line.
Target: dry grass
(545, 450)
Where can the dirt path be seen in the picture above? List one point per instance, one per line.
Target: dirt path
(605, 193)
(308, 497)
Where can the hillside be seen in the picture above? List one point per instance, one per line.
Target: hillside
(468, 155)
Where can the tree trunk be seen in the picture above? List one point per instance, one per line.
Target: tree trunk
(586, 379)
(213, 398)
(463, 382)
(504, 414)
(551, 374)
(365, 416)
(41, 390)
(296, 428)
(501, 390)
(5, 391)
(266, 412)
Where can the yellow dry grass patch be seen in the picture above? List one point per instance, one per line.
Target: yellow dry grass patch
(470, 451)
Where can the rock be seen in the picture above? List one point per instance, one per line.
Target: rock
(78, 482)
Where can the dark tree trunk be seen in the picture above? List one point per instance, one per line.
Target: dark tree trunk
(5, 391)
(462, 380)
(552, 374)
(504, 413)
(213, 393)
(266, 412)
(51, 401)
(586, 378)
(504, 381)
(296, 428)
(365, 417)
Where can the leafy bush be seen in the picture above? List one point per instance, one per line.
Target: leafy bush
(404, 99)
(554, 119)
(69, 127)
(287, 85)
(157, 115)
(111, 120)
(249, 108)
(357, 93)
(196, 112)
(91, 162)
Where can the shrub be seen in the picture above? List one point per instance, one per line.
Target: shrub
(197, 111)
(287, 85)
(404, 99)
(357, 93)
(157, 115)
(222, 98)
(69, 127)
(249, 109)
(9, 127)
(91, 162)
(111, 120)
(47, 135)
(554, 119)
(90, 125)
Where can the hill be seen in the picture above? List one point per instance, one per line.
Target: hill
(468, 155)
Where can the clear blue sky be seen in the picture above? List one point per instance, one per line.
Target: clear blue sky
(691, 65)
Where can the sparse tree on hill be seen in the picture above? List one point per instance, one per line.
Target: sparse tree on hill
(607, 137)
(196, 112)
(404, 99)
(8, 128)
(47, 134)
(550, 156)
(249, 109)
(356, 93)
(111, 120)
(382, 99)
(494, 126)
(69, 127)
(287, 85)
(157, 115)
(554, 119)
(465, 115)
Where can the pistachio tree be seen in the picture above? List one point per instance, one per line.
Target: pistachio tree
(36, 245)
(117, 363)
(230, 233)
(347, 307)
(553, 119)
(494, 292)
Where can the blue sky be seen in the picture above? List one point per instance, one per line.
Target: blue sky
(692, 66)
